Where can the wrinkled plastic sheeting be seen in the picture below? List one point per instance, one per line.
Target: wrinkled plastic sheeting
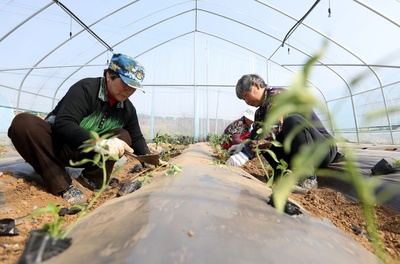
(205, 214)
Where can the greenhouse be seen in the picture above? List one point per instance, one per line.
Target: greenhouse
(200, 131)
(195, 51)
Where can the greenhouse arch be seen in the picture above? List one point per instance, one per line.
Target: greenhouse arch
(195, 51)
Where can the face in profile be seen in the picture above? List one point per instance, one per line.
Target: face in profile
(118, 89)
(254, 97)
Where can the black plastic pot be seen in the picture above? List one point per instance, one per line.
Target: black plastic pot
(40, 247)
(129, 187)
(382, 167)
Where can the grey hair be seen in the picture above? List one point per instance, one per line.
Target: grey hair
(246, 82)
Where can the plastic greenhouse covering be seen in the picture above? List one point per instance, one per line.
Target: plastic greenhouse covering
(195, 51)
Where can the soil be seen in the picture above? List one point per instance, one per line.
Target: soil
(24, 197)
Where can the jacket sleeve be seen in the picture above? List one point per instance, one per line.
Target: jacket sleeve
(70, 111)
(139, 144)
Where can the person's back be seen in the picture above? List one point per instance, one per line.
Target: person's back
(238, 130)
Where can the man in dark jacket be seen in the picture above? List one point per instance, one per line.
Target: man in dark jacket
(255, 92)
(92, 104)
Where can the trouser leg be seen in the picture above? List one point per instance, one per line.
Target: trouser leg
(307, 135)
(32, 138)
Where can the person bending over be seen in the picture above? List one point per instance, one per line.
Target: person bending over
(92, 104)
(239, 129)
(255, 92)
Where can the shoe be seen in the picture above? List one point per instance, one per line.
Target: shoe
(87, 183)
(306, 185)
(73, 195)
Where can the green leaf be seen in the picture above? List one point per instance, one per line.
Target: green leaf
(270, 181)
(84, 161)
(88, 149)
(109, 135)
(114, 157)
(94, 135)
(272, 154)
(96, 158)
(276, 143)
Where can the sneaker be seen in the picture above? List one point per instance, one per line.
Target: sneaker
(73, 195)
(306, 185)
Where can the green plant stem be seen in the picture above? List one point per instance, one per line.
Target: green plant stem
(262, 165)
(365, 192)
(86, 208)
(372, 230)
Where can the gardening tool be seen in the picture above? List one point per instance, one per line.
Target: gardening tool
(153, 159)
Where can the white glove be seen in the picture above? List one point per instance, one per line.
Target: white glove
(112, 146)
(237, 160)
(235, 149)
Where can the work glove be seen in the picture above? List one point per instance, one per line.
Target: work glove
(235, 149)
(112, 146)
(237, 160)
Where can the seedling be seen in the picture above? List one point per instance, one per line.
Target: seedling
(218, 162)
(396, 163)
(145, 178)
(165, 138)
(55, 229)
(299, 100)
(173, 169)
